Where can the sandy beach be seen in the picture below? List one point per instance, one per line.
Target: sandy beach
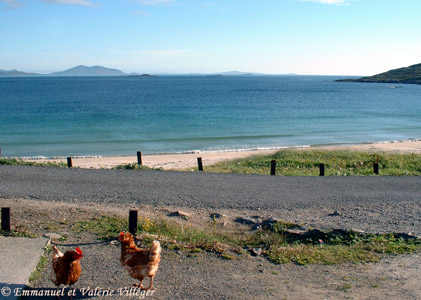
(186, 161)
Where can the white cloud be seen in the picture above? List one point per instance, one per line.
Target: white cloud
(340, 2)
(166, 54)
(162, 53)
(142, 13)
(154, 2)
(12, 4)
(72, 2)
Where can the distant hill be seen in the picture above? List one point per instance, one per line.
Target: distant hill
(89, 71)
(15, 73)
(237, 73)
(410, 75)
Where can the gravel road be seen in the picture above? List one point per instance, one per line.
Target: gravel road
(372, 203)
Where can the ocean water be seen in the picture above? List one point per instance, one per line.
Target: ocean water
(78, 116)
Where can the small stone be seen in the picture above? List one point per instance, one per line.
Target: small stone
(52, 235)
(245, 221)
(256, 251)
(180, 213)
(216, 215)
(357, 230)
(183, 213)
(336, 213)
(404, 235)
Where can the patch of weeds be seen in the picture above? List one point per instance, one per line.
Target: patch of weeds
(280, 226)
(20, 162)
(339, 248)
(292, 162)
(145, 224)
(51, 226)
(390, 244)
(278, 245)
(345, 288)
(18, 233)
(42, 264)
(227, 256)
(104, 227)
(304, 254)
(135, 166)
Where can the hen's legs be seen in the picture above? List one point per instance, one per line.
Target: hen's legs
(151, 285)
(140, 283)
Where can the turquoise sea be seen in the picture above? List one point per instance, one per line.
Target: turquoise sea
(84, 116)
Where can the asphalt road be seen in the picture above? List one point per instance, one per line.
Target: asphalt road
(205, 190)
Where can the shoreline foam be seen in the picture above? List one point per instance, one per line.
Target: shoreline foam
(177, 161)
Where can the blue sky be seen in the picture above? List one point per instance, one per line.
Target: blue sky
(325, 37)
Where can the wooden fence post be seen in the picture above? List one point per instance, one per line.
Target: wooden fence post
(5, 219)
(133, 221)
(272, 167)
(376, 168)
(199, 164)
(69, 162)
(322, 169)
(139, 158)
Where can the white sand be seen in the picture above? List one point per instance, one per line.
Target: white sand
(186, 161)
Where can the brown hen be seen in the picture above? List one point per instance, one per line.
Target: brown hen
(139, 262)
(66, 267)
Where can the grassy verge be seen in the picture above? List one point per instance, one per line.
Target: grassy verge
(337, 163)
(42, 264)
(18, 233)
(276, 244)
(20, 162)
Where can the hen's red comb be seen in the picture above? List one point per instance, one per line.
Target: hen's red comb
(79, 251)
(121, 233)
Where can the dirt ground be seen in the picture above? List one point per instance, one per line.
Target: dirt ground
(205, 275)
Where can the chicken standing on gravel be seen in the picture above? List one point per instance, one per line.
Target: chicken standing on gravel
(139, 262)
(66, 267)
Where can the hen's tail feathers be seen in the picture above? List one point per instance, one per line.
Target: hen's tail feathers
(155, 251)
(56, 253)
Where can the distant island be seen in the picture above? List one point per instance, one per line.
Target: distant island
(139, 75)
(408, 75)
(76, 71)
(89, 71)
(82, 70)
(15, 73)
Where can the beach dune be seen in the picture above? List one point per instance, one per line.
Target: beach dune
(187, 161)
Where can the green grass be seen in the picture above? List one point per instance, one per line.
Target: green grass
(277, 245)
(134, 166)
(20, 162)
(18, 233)
(337, 163)
(104, 227)
(42, 264)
